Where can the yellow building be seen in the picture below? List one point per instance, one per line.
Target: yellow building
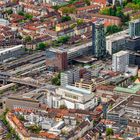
(89, 85)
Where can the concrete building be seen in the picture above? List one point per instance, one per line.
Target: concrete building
(16, 102)
(134, 29)
(56, 60)
(98, 40)
(70, 77)
(116, 42)
(11, 52)
(128, 109)
(72, 97)
(86, 84)
(120, 61)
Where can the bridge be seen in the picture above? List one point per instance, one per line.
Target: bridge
(25, 81)
(6, 77)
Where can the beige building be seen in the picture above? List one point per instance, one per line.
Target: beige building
(139, 73)
(89, 85)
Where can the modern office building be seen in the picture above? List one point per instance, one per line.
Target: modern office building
(134, 29)
(98, 40)
(70, 77)
(56, 60)
(120, 61)
(116, 42)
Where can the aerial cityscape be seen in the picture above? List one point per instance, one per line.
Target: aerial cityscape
(69, 69)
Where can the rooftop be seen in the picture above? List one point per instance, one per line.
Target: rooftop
(120, 53)
(131, 90)
(78, 90)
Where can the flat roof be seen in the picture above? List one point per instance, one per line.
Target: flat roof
(78, 90)
(85, 59)
(120, 53)
(11, 49)
(131, 90)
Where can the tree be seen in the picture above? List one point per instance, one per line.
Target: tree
(27, 39)
(80, 21)
(41, 46)
(87, 2)
(109, 132)
(9, 136)
(21, 118)
(34, 129)
(56, 80)
(10, 11)
(113, 29)
(63, 39)
(105, 11)
(65, 18)
(28, 16)
(21, 13)
(68, 10)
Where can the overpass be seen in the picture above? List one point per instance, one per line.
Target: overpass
(25, 81)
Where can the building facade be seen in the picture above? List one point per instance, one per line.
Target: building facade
(134, 29)
(120, 61)
(72, 98)
(70, 77)
(98, 40)
(56, 61)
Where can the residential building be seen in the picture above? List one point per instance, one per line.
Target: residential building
(134, 29)
(70, 77)
(94, 7)
(86, 84)
(56, 60)
(128, 109)
(98, 40)
(120, 61)
(110, 20)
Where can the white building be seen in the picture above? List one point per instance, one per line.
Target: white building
(132, 70)
(116, 42)
(72, 97)
(120, 61)
(134, 28)
(70, 77)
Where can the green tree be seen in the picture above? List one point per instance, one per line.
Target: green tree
(105, 11)
(136, 1)
(109, 132)
(80, 21)
(28, 16)
(9, 12)
(41, 46)
(87, 2)
(21, 118)
(9, 136)
(27, 39)
(113, 29)
(56, 7)
(34, 129)
(65, 18)
(56, 80)
(63, 39)
(21, 13)
(68, 10)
